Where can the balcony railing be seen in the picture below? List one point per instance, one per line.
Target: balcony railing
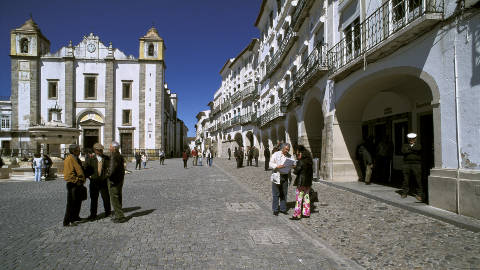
(390, 18)
(249, 92)
(299, 14)
(235, 121)
(282, 51)
(271, 114)
(237, 96)
(313, 67)
(216, 110)
(226, 106)
(249, 118)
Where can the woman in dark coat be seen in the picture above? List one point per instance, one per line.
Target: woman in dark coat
(304, 172)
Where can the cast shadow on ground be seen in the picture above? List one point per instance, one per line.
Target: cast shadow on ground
(139, 214)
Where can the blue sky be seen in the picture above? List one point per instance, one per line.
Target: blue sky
(199, 35)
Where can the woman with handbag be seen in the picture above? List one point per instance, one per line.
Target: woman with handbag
(304, 172)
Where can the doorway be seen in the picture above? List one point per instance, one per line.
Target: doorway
(90, 137)
(126, 142)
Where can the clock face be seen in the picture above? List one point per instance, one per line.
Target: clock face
(91, 47)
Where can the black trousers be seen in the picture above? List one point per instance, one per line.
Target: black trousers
(267, 161)
(185, 163)
(73, 205)
(256, 162)
(138, 164)
(96, 188)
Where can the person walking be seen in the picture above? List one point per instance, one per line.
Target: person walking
(47, 161)
(38, 166)
(116, 174)
(241, 155)
(412, 166)
(304, 172)
(96, 171)
(75, 178)
(255, 155)
(162, 157)
(366, 163)
(249, 156)
(209, 158)
(237, 158)
(144, 160)
(138, 160)
(266, 153)
(280, 178)
(194, 156)
(200, 158)
(185, 158)
(229, 153)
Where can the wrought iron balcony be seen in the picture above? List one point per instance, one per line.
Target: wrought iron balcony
(271, 114)
(300, 13)
(226, 106)
(216, 110)
(282, 51)
(235, 120)
(249, 92)
(394, 24)
(236, 97)
(314, 67)
(249, 118)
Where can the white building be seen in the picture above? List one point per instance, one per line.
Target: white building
(100, 90)
(331, 73)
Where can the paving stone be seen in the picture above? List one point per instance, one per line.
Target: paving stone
(373, 234)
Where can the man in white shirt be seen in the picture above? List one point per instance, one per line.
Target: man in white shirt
(280, 189)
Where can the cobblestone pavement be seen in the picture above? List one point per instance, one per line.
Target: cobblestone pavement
(373, 234)
(199, 218)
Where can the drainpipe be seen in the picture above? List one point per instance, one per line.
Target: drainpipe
(455, 68)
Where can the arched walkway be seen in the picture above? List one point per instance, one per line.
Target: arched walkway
(314, 125)
(292, 131)
(381, 109)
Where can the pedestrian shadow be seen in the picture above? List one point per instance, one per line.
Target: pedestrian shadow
(139, 214)
(130, 209)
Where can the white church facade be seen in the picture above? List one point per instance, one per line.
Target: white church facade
(96, 88)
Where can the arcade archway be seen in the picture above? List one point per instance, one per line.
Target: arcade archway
(314, 127)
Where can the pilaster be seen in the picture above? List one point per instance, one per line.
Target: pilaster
(69, 92)
(14, 93)
(160, 107)
(141, 112)
(109, 128)
(34, 92)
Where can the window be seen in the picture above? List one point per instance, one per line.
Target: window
(90, 87)
(52, 89)
(352, 37)
(5, 121)
(151, 50)
(126, 90)
(126, 117)
(24, 45)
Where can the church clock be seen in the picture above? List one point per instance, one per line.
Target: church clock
(91, 47)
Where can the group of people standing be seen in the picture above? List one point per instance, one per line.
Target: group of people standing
(106, 175)
(380, 165)
(41, 165)
(197, 157)
(252, 153)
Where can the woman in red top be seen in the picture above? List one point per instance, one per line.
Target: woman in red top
(185, 158)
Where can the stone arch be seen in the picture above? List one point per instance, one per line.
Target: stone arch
(292, 131)
(238, 139)
(385, 106)
(314, 126)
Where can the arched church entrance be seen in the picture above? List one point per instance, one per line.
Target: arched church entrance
(91, 124)
(381, 110)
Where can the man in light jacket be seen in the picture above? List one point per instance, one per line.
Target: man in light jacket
(74, 176)
(280, 189)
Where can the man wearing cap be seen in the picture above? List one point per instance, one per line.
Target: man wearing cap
(116, 174)
(412, 165)
(96, 171)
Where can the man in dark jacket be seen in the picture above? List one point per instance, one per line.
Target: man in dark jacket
(241, 155)
(412, 166)
(255, 155)
(96, 171)
(249, 155)
(138, 161)
(116, 174)
(266, 153)
(229, 153)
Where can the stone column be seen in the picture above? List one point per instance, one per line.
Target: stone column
(109, 128)
(70, 92)
(14, 94)
(141, 113)
(160, 106)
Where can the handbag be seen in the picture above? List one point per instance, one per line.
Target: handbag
(80, 193)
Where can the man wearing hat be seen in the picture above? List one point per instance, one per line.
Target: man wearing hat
(412, 165)
(96, 168)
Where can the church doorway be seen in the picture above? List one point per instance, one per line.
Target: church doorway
(90, 137)
(126, 142)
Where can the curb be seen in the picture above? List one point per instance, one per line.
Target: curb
(436, 213)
